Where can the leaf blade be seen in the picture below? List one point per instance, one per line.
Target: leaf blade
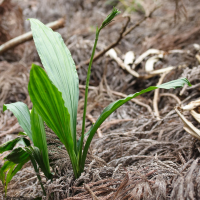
(11, 144)
(13, 171)
(60, 67)
(36, 155)
(49, 104)
(17, 156)
(113, 106)
(21, 112)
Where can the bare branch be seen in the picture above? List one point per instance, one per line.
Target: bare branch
(28, 36)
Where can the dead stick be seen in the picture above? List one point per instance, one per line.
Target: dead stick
(122, 64)
(156, 96)
(94, 197)
(15, 128)
(122, 186)
(28, 36)
(123, 33)
(171, 95)
(93, 121)
(116, 121)
(142, 20)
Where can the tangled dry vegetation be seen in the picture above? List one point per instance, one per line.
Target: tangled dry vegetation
(142, 150)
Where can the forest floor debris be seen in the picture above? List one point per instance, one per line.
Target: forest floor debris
(138, 153)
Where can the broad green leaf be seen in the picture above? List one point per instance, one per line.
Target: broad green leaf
(22, 155)
(39, 137)
(35, 154)
(49, 104)
(11, 144)
(21, 112)
(113, 106)
(18, 155)
(59, 66)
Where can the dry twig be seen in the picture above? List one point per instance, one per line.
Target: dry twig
(180, 9)
(116, 121)
(28, 36)
(188, 126)
(93, 121)
(156, 97)
(13, 129)
(94, 197)
(122, 186)
(124, 66)
(171, 95)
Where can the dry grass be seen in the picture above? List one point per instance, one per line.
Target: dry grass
(141, 158)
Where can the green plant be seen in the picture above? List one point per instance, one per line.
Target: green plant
(54, 95)
(129, 6)
(33, 126)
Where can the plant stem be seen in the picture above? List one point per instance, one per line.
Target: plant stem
(38, 174)
(108, 19)
(86, 95)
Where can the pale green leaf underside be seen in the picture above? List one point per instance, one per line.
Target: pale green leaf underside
(59, 66)
(113, 106)
(21, 112)
(17, 156)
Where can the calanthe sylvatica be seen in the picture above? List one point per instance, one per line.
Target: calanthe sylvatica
(54, 93)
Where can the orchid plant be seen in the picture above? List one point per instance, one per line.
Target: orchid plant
(54, 93)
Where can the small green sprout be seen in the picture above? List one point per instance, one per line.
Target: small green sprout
(110, 17)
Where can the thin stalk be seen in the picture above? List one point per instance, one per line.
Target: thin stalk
(74, 162)
(38, 174)
(86, 95)
(108, 19)
(5, 188)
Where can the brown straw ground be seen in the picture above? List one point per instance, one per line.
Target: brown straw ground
(135, 154)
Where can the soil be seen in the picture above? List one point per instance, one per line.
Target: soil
(140, 155)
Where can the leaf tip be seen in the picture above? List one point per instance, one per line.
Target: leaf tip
(34, 66)
(4, 107)
(110, 17)
(189, 84)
